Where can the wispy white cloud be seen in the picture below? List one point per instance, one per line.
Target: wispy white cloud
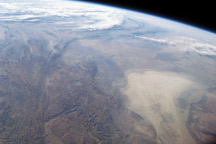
(204, 48)
(185, 44)
(92, 17)
(162, 41)
(17, 17)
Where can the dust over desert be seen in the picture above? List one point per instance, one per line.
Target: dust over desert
(76, 73)
(153, 95)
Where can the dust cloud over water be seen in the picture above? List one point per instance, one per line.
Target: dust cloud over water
(153, 96)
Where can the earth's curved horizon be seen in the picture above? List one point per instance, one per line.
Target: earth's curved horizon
(75, 72)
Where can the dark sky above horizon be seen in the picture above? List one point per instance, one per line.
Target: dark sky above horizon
(200, 13)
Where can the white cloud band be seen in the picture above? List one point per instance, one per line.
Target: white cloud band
(93, 17)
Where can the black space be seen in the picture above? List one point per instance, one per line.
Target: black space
(198, 13)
